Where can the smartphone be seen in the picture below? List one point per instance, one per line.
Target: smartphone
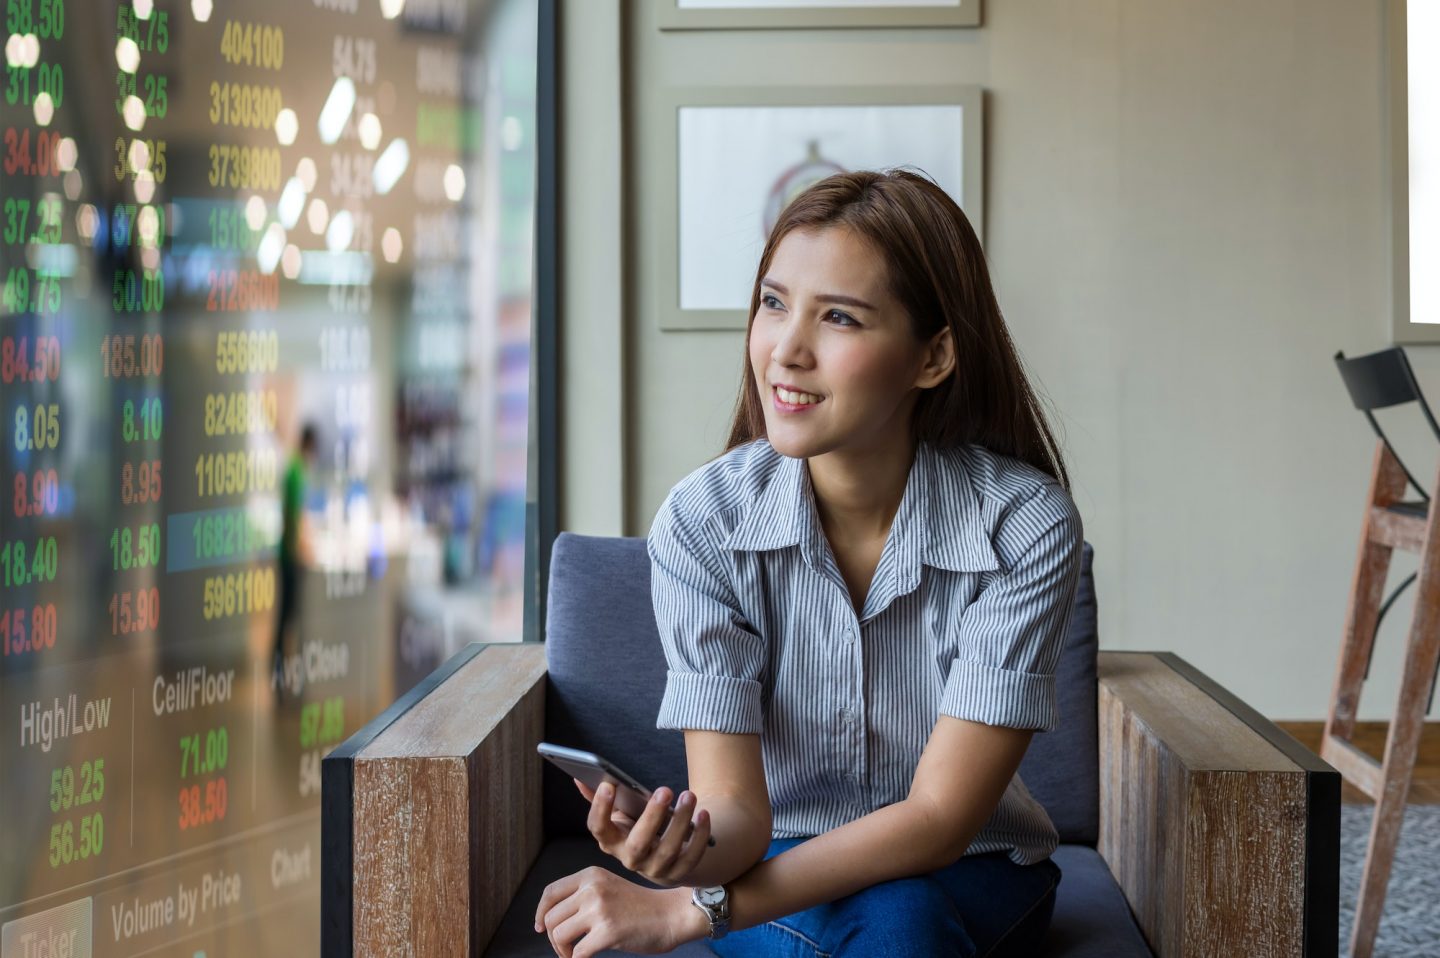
(630, 796)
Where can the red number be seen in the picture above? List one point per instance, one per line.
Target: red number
(37, 495)
(43, 627)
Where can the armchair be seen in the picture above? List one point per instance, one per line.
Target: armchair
(1189, 824)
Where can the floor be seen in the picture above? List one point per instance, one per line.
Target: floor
(1370, 736)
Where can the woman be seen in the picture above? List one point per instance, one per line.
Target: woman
(862, 604)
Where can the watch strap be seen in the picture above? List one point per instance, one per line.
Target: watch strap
(718, 914)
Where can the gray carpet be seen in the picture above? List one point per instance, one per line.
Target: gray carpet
(1410, 925)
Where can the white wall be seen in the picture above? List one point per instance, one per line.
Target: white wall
(593, 365)
(1187, 214)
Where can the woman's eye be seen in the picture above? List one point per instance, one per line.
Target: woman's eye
(769, 301)
(842, 319)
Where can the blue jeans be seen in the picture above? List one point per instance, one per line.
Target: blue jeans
(982, 906)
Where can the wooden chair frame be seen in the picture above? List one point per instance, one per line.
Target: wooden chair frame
(1383, 530)
(1221, 830)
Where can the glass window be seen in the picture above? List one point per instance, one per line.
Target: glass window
(265, 413)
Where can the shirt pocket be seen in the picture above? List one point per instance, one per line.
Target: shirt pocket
(947, 596)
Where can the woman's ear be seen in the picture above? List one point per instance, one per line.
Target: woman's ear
(939, 360)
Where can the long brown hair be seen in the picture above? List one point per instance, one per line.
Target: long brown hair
(937, 272)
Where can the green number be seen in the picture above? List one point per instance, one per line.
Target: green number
(18, 89)
(17, 16)
(17, 218)
(157, 101)
(52, 19)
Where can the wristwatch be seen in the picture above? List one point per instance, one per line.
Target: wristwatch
(715, 903)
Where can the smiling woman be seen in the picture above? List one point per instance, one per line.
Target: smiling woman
(898, 241)
(862, 604)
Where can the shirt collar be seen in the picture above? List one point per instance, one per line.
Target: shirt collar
(957, 533)
(782, 514)
(939, 522)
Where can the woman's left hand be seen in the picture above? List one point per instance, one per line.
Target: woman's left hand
(592, 910)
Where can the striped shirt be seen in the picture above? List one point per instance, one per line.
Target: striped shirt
(965, 616)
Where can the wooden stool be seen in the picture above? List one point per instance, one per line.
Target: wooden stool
(1384, 379)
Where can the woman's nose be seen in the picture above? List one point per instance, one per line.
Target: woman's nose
(792, 347)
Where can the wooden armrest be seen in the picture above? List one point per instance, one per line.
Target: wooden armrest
(1222, 830)
(432, 812)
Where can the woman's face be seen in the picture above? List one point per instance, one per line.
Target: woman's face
(834, 357)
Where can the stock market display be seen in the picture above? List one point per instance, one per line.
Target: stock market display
(265, 339)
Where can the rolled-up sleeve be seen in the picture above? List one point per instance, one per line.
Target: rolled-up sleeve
(1012, 634)
(714, 657)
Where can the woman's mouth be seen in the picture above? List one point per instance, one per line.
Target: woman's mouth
(791, 400)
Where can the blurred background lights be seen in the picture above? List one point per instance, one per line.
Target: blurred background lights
(292, 203)
(147, 224)
(87, 219)
(390, 9)
(512, 134)
(73, 185)
(143, 8)
(202, 9)
(392, 245)
(127, 55)
(287, 125)
(318, 217)
(15, 50)
(255, 213)
(139, 156)
(305, 171)
(272, 244)
(341, 232)
(66, 154)
(291, 261)
(144, 186)
(454, 183)
(337, 109)
(150, 258)
(29, 50)
(369, 131)
(44, 108)
(134, 113)
(390, 166)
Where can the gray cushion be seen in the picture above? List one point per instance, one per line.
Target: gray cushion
(607, 671)
(607, 674)
(1091, 918)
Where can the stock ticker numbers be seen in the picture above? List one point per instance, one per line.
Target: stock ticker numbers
(322, 726)
(204, 755)
(32, 153)
(22, 157)
(221, 223)
(78, 831)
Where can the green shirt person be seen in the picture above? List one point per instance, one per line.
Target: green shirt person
(292, 553)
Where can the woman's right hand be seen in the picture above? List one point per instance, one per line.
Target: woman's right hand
(650, 846)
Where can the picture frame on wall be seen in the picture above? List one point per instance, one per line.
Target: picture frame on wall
(816, 14)
(735, 156)
(1414, 198)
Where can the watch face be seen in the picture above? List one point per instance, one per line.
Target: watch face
(710, 896)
